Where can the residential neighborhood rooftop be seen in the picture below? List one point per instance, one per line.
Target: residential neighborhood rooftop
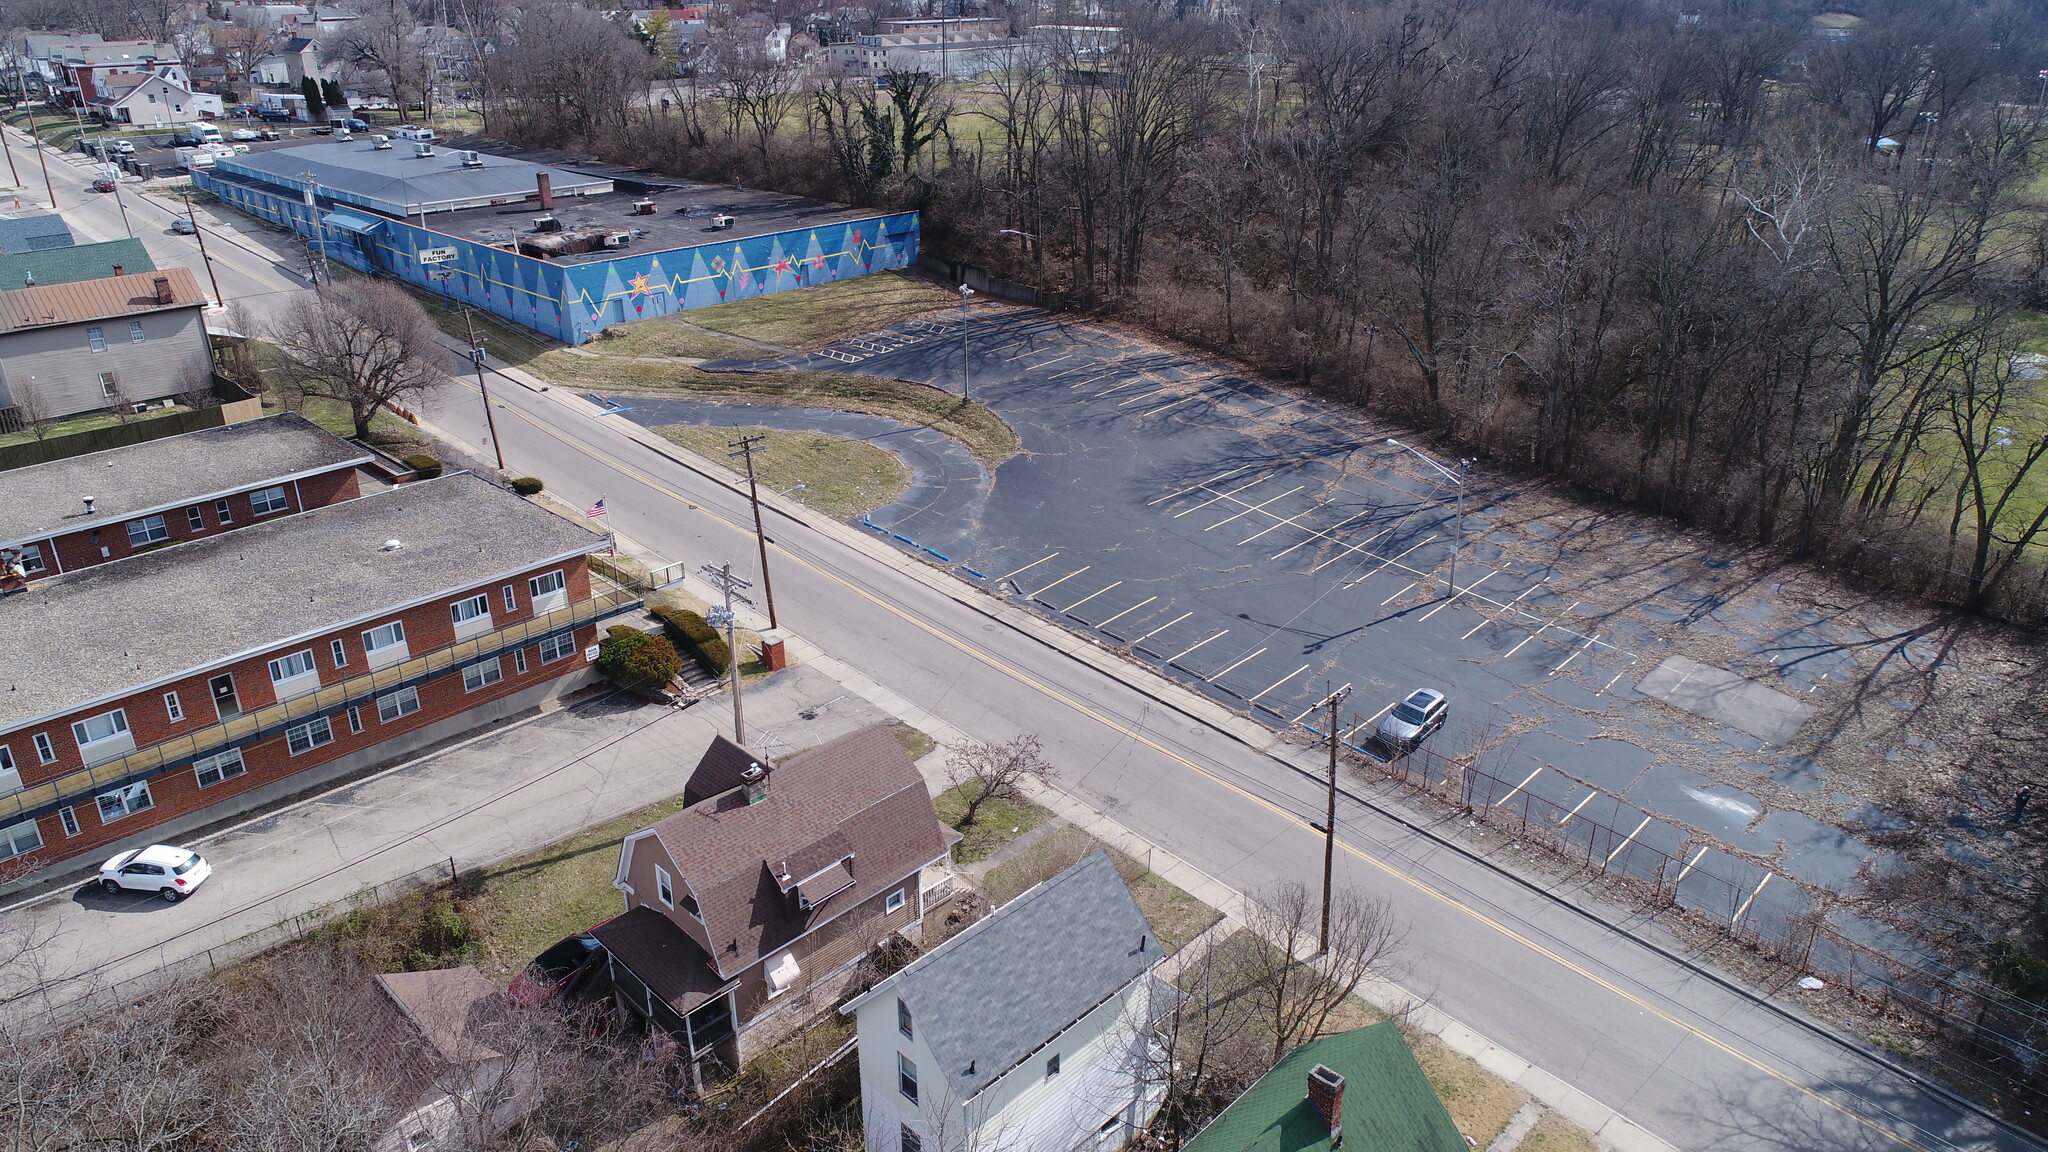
(107, 298)
(1388, 1104)
(96, 633)
(33, 231)
(998, 991)
(455, 1010)
(43, 500)
(69, 263)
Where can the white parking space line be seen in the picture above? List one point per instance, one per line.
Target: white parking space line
(1682, 872)
(1088, 597)
(1576, 653)
(1127, 611)
(1279, 524)
(1575, 810)
(1391, 560)
(1401, 593)
(1135, 399)
(1161, 628)
(1203, 484)
(1509, 604)
(1254, 698)
(1617, 677)
(1321, 534)
(1349, 549)
(1626, 841)
(1197, 644)
(1139, 382)
(1454, 596)
(1504, 798)
(1370, 720)
(1233, 665)
(1751, 898)
(1061, 580)
(1150, 412)
(1220, 496)
(1026, 568)
(1248, 509)
(1536, 633)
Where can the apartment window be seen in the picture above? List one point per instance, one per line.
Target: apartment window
(482, 675)
(195, 519)
(555, 647)
(309, 735)
(20, 839)
(549, 591)
(96, 339)
(912, 1142)
(31, 558)
(223, 512)
(385, 644)
(1052, 1066)
(110, 385)
(355, 719)
(511, 599)
(148, 530)
(291, 667)
(267, 501)
(906, 1077)
(173, 707)
(519, 660)
(106, 726)
(135, 335)
(393, 705)
(903, 1020)
(893, 901)
(477, 607)
(664, 886)
(45, 751)
(10, 776)
(214, 769)
(68, 817)
(124, 802)
(340, 653)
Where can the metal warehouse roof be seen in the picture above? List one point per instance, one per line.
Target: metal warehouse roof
(395, 180)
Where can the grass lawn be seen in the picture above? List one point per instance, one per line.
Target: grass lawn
(1480, 1103)
(916, 744)
(669, 336)
(1554, 1133)
(999, 822)
(842, 478)
(85, 423)
(386, 430)
(1174, 915)
(810, 318)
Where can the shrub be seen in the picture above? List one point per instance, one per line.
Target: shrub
(425, 465)
(527, 486)
(632, 659)
(699, 638)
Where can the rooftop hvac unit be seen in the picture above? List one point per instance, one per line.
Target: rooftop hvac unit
(422, 149)
(643, 207)
(721, 222)
(380, 141)
(472, 160)
(618, 238)
(546, 224)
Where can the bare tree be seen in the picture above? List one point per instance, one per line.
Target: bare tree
(365, 343)
(31, 410)
(985, 772)
(1296, 988)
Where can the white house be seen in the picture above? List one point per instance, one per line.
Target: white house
(1031, 1031)
(449, 1040)
(151, 99)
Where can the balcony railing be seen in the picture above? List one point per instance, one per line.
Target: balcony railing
(50, 795)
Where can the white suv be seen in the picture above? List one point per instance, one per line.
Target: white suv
(1410, 722)
(172, 873)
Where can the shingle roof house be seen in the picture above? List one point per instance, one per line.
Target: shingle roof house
(1029, 1031)
(1362, 1086)
(443, 1037)
(769, 885)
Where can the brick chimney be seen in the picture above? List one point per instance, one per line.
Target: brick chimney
(755, 778)
(1326, 1092)
(546, 184)
(117, 270)
(164, 295)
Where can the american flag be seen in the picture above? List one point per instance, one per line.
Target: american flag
(596, 511)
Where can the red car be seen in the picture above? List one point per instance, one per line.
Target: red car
(103, 185)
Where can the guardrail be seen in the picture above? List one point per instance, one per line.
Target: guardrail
(144, 763)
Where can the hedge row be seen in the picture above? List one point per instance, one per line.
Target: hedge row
(692, 634)
(631, 658)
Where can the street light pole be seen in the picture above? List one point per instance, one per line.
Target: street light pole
(476, 357)
(965, 292)
(1454, 478)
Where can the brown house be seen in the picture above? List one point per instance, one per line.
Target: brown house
(747, 911)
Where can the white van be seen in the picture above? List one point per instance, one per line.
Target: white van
(413, 132)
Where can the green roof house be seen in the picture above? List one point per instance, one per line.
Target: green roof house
(72, 264)
(1361, 1091)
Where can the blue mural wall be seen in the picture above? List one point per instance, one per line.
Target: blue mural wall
(573, 302)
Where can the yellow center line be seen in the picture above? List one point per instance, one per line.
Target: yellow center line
(1385, 868)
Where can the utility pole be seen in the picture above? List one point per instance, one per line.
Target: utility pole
(722, 578)
(1330, 822)
(965, 292)
(203, 257)
(745, 447)
(12, 171)
(476, 357)
(40, 158)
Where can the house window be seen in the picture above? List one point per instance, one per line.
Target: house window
(393, 705)
(110, 384)
(195, 519)
(893, 901)
(912, 1142)
(135, 335)
(20, 839)
(223, 512)
(511, 599)
(214, 769)
(466, 612)
(172, 707)
(355, 719)
(340, 652)
(68, 817)
(295, 672)
(31, 558)
(106, 726)
(664, 886)
(1052, 1066)
(906, 1077)
(549, 591)
(903, 1020)
(10, 777)
(267, 501)
(124, 802)
(385, 644)
(555, 647)
(309, 735)
(96, 339)
(482, 675)
(519, 660)
(148, 530)
(45, 751)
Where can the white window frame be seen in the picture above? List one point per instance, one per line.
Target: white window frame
(96, 338)
(195, 518)
(135, 333)
(664, 886)
(511, 599)
(224, 511)
(906, 1073)
(471, 615)
(519, 661)
(173, 707)
(893, 901)
(339, 651)
(32, 558)
(295, 683)
(385, 644)
(154, 531)
(67, 819)
(110, 384)
(482, 674)
(13, 836)
(46, 752)
(118, 728)
(548, 591)
(125, 798)
(315, 733)
(10, 776)
(392, 705)
(560, 646)
(222, 765)
(269, 500)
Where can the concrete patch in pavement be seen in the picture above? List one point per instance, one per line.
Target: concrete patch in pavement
(1717, 694)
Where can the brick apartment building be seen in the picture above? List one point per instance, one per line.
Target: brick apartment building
(168, 690)
(74, 513)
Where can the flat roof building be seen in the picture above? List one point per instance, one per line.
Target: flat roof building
(164, 690)
(404, 177)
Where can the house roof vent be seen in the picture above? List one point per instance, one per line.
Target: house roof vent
(393, 545)
(88, 505)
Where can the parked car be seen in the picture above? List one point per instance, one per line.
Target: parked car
(1407, 724)
(103, 185)
(274, 116)
(267, 134)
(184, 227)
(171, 872)
(121, 147)
(245, 134)
(556, 971)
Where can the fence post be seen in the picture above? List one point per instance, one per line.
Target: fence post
(451, 871)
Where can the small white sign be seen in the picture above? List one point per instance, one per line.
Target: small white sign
(590, 654)
(437, 255)
(440, 273)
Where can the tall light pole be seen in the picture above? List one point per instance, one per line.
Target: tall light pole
(1456, 479)
(965, 292)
